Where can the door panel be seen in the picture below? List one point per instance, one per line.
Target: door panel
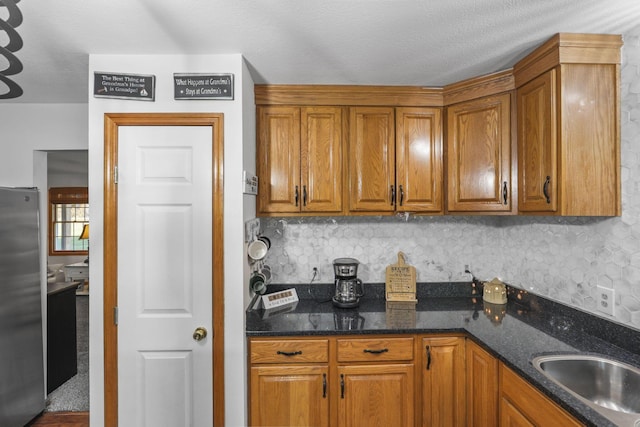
(419, 159)
(289, 396)
(443, 382)
(321, 159)
(278, 159)
(371, 159)
(537, 145)
(164, 275)
(157, 372)
(376, 395)
(479, 155)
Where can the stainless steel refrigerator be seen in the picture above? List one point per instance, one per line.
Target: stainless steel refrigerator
(22, 394)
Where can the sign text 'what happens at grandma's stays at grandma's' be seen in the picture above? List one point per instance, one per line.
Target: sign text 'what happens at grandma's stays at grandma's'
(203, 86)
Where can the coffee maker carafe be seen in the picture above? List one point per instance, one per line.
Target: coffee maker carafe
(348, 287)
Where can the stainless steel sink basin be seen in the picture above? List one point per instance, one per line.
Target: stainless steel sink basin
(610, 387)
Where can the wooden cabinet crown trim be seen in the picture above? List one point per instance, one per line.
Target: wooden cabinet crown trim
(393, 96)
(568, 48)
(348, 95)
(478, 87)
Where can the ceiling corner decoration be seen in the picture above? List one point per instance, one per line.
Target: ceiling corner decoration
(14, 43)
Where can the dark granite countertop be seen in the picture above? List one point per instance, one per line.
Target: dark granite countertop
(515, 333)
(57, 287)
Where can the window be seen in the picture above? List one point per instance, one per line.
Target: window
(68, 213)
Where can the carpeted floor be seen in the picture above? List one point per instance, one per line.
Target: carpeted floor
(74, 394)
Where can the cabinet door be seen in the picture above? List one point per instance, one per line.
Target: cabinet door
(289, 396)
(278, 159)
(479, 155)
(522, 405)
(443, 382)
(376, 395)
(482, 387)
(537, 145)
(419, 159)
(510, 416)
(321, 159)
(371, 159)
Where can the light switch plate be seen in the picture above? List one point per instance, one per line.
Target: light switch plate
(250, 182)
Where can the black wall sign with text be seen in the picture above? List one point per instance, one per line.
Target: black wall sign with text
(203, 86)
(124, 86)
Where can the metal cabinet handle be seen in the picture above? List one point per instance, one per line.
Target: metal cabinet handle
(504, 192)
(324, 385)
(296, 195)
(341, 386)
(382, 350)
(289, 353)
(393, 195)
(401, 195)
(545, 189)
(304, 195)
(428, 357)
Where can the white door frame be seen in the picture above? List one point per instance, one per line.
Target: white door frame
(111, 124)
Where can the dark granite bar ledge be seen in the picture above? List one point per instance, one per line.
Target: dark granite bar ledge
(528, 326)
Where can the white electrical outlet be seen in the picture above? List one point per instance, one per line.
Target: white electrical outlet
(605, 299)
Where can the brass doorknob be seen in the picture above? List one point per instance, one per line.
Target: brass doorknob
(199, 334)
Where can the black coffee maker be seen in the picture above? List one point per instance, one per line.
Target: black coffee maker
(348, 287)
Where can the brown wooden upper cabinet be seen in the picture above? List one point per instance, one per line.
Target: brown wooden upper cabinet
(300, 160)
(372, 159)
(419, 168)
(568, 119)
(554, 149)
(395, 159)
(479, 155)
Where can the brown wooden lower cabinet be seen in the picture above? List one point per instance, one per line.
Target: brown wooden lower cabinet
(522, 405)
(390, 380)
(289, 395)
(482, 387)
(376, 395)
(443, 381)
(337, 381)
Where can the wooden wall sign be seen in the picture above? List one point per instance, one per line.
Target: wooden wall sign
(400, 281)
(124, 86)
(203, 86)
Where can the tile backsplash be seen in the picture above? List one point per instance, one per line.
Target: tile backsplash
(560, 258)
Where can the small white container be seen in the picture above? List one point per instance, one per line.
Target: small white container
(495, 292)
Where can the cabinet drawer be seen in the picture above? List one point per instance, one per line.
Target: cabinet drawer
(374, 349)
(289, 351)
(77, 272)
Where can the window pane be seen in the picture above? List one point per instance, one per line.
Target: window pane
(67, 222)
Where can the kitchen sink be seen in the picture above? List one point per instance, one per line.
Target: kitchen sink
(610, 387)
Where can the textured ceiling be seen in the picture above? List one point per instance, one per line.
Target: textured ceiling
(386, 42)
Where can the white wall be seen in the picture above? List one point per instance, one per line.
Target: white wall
(25, 128)
(238, 133)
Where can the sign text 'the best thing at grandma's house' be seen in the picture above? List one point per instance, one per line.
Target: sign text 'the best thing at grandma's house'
(124, 86)
(203, 86)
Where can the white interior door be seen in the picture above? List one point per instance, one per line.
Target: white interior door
(165, 376)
